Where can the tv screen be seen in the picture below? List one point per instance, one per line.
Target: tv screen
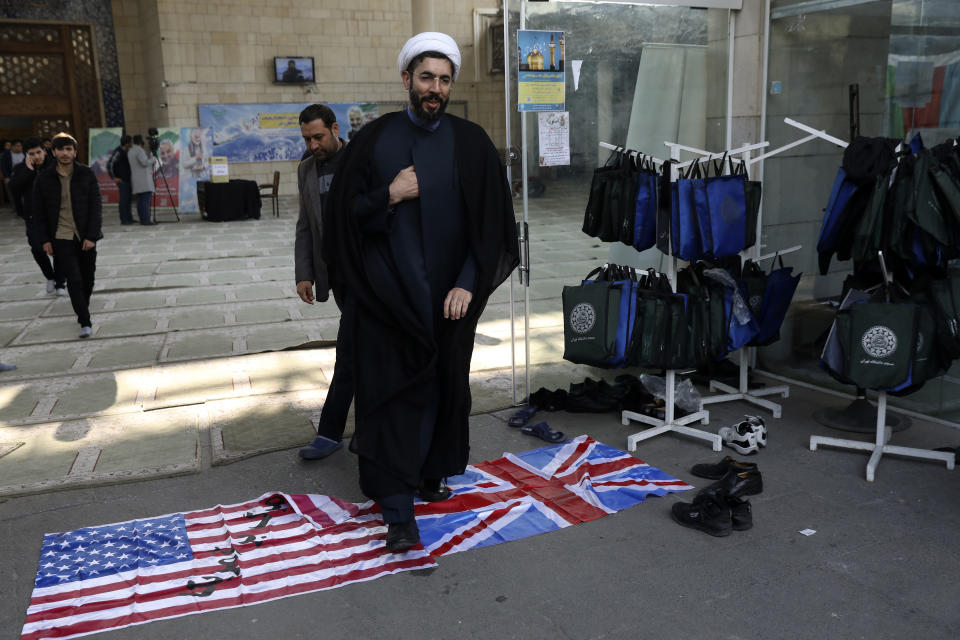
(293, 70)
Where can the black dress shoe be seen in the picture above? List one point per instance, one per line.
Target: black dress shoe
(402, 536)
(720, 469)
(737, 484)
(433, 490)
(708, 512)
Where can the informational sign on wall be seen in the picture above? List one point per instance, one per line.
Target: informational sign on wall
(219, 169)
(554, 130)
(271, 132)
(541, 81)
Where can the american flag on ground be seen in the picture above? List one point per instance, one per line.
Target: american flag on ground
(107, 577)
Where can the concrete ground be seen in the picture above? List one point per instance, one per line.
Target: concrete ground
(177, 390)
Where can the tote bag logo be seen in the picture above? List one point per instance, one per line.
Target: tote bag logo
(879, 342)
(583, 317)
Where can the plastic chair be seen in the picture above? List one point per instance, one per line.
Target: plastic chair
(274, 188)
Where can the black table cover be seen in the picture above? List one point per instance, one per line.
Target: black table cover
(234, 200)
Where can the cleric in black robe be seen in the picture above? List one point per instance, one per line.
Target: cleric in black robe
(422, 231)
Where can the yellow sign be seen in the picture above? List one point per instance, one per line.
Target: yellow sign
(219, 170)
(279, 120)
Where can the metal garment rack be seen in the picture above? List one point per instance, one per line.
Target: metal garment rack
(670, 422)
(879, 446)
(747, 355)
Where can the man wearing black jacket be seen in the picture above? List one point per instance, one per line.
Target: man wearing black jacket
(67, 219)
(21, 184)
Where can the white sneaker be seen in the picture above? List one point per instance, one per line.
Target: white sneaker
(740, 438)
(86, 332)
(50, 286)
(759, 429)
(61, 292)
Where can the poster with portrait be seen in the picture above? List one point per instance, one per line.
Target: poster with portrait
(166, 176)
(271, 132)
(196, 143)
(102, 142)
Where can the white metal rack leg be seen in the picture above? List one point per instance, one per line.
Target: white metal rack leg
(880, 446)
(670, 423)
(753, 396)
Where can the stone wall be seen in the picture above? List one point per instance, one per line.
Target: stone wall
(181, 54)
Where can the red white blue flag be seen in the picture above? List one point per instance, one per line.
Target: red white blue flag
(279, 545)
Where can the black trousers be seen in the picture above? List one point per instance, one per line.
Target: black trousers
(77, 267)
(42, 259)
(333, 416)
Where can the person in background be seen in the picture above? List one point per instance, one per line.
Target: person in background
(142, 164)
(21, 183)
(118, 167)
(10, 158)
(67, 220)
(320, 131)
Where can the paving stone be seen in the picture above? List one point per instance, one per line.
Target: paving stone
(119, 449)
(21, 292)
(229, 277)
(200, 345)
(43, 359)
(262, 313)
(18, 399)
(125, 324)
(127, 270)
(183, 384)
(179, 280)
(52, 330)
(92, 395)
(10, 310)
(196, 319)
(274, 339)
(201, 296)
(127, 354)
(9, 331)
(114, 284)
(259, 292)
(138, 300)
(179, 266)
(226, 264)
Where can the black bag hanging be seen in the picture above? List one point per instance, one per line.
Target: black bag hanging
(878, 341)
(666, 202)
(590, 317)
(599, 186)
(620, 198)
(945, 299)
(753, 195)
(779, 287)
(755, 281)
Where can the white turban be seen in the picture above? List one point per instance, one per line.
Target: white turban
(429, 41)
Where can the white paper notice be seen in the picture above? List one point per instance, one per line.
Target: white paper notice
(576, 73)
(554, 138)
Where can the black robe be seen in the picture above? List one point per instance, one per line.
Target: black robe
(401, 366)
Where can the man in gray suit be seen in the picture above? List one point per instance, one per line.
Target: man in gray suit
(320, 131)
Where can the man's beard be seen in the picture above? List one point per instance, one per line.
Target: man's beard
(422, 114)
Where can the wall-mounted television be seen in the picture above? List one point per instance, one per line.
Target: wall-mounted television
(293, 70)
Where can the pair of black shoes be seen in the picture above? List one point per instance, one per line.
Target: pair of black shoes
(722, 507)
(405, 535)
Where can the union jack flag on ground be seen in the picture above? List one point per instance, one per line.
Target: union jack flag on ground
(279, 545)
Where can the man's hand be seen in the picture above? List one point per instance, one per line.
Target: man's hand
(117, 180)
(404, 186)
(305, 291)
(456, 303)
(87, 245)
(48, 248)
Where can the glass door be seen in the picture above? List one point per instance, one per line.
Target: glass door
(636, 75)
